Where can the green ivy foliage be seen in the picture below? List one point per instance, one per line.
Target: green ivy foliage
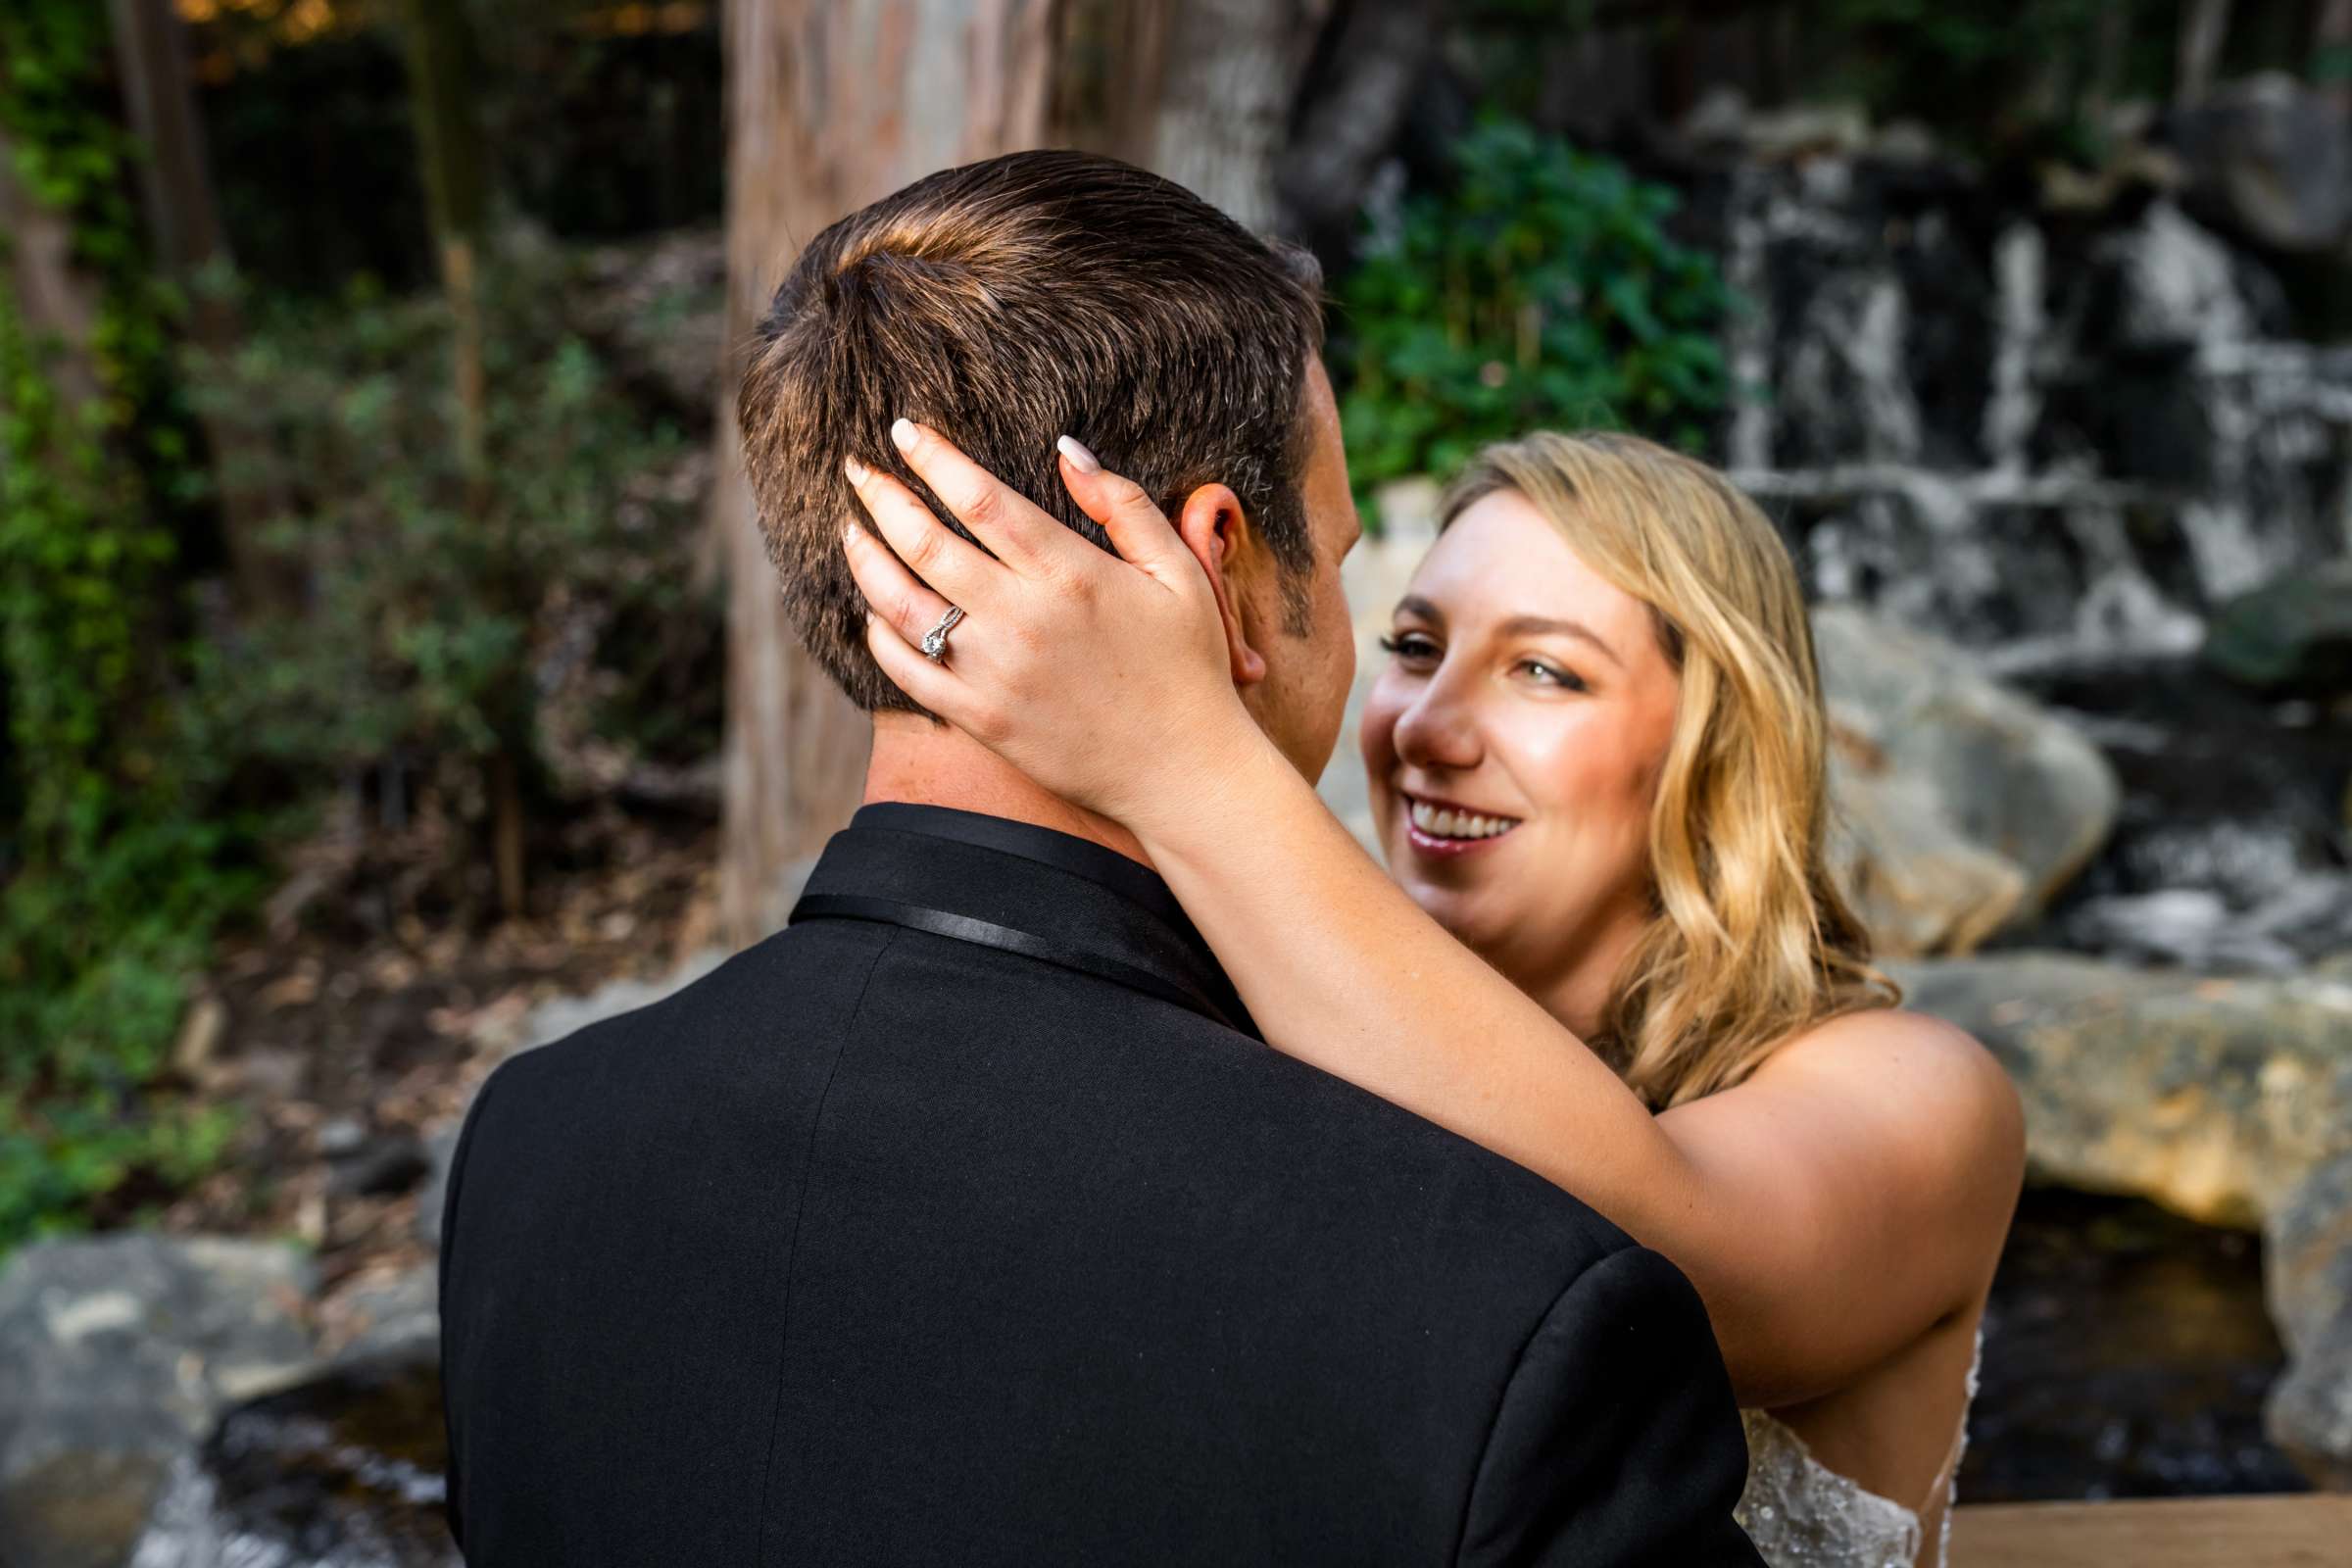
(111, 887)
(1542, 289)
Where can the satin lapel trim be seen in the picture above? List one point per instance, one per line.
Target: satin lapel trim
(1005, 939)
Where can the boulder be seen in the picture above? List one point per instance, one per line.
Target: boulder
(2213, 1096)
(1961, 805)
(2307, 1262)
(117, 1353)
(398, 1314)
(1912, 875)
(2292, 636)
(440, 1147)
(2270, 158)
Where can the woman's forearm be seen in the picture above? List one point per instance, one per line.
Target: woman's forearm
(1342, 969)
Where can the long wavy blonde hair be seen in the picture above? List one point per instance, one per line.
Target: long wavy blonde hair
(1749, 940)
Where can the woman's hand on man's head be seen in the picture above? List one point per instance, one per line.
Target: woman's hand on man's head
(1105, 679)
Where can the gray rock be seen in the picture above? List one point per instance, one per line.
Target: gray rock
(1914, 877)
(2212, 1096)
(340, 1136)
(2307, 1261)
(1963, 806)
(2271, 159)
(401, 1315)
(115, 1355)
(440, 1148)
(2290, 637)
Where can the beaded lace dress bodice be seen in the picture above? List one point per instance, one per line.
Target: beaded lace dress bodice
(1803, 1514)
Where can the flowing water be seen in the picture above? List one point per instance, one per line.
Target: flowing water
(345, 1471)
(2126, 1355)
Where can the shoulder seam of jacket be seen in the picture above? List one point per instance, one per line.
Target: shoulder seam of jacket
(1486, 1447)
(792, 1254)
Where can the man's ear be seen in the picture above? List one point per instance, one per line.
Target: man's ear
(1215, 530)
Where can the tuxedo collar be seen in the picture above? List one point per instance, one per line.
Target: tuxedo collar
(1020, 888)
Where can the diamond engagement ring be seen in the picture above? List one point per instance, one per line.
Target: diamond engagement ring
(935, 641)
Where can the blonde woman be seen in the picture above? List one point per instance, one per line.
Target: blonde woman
(1609, 952)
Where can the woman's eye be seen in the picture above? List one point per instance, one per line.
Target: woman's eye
(1409, 645)
(1553, 675)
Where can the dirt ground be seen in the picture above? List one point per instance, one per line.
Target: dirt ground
(363, 1032)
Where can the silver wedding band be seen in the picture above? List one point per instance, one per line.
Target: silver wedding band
(935, 641)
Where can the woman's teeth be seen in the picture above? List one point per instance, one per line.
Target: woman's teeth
(1446, 825)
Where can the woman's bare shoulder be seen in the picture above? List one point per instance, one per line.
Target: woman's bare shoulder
(1893, 1050)
(1929, 1085)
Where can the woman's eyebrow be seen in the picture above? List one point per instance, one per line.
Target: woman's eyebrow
(1540, 625)
(1416, 605)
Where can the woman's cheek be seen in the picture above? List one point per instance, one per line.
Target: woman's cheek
(1376, 737)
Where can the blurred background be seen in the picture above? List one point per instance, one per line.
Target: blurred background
(393, 680)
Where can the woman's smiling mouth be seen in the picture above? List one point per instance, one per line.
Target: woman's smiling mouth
(1441, 828)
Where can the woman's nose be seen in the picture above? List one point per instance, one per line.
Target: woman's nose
(1439, 729)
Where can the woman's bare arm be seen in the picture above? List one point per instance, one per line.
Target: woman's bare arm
(1827, 1212)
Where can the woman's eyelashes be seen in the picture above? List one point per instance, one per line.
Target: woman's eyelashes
(1419, 649)
(1411, 647)
(1546, 673)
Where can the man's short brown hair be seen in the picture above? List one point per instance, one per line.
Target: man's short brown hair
(1007, 302)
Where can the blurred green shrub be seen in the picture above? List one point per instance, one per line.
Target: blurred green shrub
(1542, 289)
(433, 609)
(433, 621)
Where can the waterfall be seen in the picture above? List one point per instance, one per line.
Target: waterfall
(2062, 443)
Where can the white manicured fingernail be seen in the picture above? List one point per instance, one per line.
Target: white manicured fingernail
(901, 431)
(1082, 460)
(858, 472)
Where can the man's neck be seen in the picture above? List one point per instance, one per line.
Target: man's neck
(924, 764)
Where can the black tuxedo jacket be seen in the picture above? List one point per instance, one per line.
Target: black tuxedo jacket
(966, 1221)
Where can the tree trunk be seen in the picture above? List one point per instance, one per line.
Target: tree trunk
(2204, 30)
(1198, 90)
(829, 106)
(833, 104)
(449, 138)
(1380, 53)
(442, 71)
(2109, 44)
(176, 192)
